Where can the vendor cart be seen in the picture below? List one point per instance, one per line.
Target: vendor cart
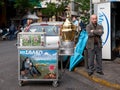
(36, 61)
(40, 47)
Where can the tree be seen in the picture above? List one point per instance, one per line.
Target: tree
(84, 8)
(54, 9)
(1, 3)
(3, 11)
(24, 6)
(50, 10)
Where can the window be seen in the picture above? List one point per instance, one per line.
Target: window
(50, 30)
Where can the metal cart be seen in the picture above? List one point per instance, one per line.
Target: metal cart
(36, 61)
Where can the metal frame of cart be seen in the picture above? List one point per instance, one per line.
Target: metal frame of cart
(36, 63)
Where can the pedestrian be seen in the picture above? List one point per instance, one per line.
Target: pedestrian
(29, 21)
(75, 21)
(94, 46)
(82, 25)
(12, 30)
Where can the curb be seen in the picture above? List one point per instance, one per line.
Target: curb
(97, 79)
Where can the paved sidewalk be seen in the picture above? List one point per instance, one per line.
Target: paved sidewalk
(111, 77)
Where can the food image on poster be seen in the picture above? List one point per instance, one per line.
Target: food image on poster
(36, 40)
(26, 40)
(38, 64)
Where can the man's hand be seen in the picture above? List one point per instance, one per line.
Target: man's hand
(100, 30)
(91, 31)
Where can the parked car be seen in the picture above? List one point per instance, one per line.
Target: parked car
(52, 31)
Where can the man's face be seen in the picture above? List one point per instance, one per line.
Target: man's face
(94, 19)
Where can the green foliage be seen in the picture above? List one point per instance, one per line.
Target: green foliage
(84, 7)
(61, 7)
(53, 9)
(25, 4)
(50, 10)
(84, 4)
(1, 3)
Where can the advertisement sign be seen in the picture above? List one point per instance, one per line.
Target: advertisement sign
(38, 64)
(31, 39)
(112, 0)
(101, 1)
(104, 18)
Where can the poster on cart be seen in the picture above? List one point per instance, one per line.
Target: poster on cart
(28, 39)
(31, 40)
(38, 64)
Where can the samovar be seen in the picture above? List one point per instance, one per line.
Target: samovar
(68, 31)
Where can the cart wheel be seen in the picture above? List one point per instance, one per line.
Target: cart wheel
(20, 83)
(55, 83)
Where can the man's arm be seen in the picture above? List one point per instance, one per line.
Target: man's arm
(98, 32)
(90, 31)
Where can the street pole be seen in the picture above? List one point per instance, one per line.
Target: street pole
(90, 7)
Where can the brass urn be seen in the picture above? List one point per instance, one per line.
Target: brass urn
(68, 30)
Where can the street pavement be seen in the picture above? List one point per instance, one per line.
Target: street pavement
(111, 77)
(9, 74)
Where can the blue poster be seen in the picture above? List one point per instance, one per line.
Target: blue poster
(38, 64)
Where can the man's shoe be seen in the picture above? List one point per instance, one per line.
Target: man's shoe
(101, 73)
(90, 73)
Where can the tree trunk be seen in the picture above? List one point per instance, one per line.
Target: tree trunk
(3, 14)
